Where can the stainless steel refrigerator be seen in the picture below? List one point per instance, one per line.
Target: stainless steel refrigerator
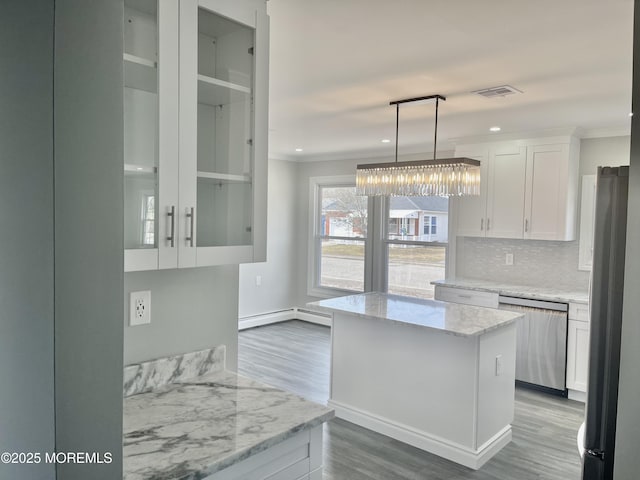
(606, 297)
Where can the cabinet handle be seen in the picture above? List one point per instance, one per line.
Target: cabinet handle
(481, 224)
(526, 225)
(172, 214)
(191, 216)
(488, 224)
(460, 295)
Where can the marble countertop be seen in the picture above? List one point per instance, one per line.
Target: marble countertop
(538, 293)
(193, 428)
(451, 318)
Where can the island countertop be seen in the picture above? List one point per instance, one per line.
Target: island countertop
(193, 428)
(451, 318)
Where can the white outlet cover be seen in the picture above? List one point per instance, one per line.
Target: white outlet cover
(140, 308)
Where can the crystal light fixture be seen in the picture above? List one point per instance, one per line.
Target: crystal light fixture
(442, 177)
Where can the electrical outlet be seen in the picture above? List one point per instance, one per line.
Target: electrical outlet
(140, 308)
(509, 259)
(498, 365)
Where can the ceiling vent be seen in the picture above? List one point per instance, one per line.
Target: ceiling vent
(501, 91)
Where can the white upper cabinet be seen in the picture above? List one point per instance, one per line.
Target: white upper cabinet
(199, 132)
(150, 133)
(472, 211)
(505, 201)
(552, 190)
(528, 190)
(497, 212)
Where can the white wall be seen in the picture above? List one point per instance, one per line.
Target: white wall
(191, 309)
(607, 151)
(284, 233)
(540, 263)
(284, 275)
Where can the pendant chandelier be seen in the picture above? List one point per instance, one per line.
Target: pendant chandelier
(442, 177)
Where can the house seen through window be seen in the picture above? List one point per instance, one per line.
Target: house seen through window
(342, 233)
(416, 239)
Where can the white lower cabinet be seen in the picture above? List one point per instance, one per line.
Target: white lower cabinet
(578, 355)
(466, 297)
(296, 458)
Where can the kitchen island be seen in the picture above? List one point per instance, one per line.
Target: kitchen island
(436, 375)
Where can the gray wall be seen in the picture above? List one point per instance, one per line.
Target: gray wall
(26, 234)
(278, 273)
(88, 234)
(191, 309)
(628, 428)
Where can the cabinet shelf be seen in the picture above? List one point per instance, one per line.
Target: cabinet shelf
(212, 91)
(139, 170)
(140, 73)
(216, 178)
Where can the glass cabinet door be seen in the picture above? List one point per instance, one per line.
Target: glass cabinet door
(150, 134)
(140, 124)
(224, 198)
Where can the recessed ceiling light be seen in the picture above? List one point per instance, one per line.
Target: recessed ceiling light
(494, 129)
(298, 149)
(386, 140)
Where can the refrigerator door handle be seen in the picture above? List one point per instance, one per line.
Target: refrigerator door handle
(595, 453)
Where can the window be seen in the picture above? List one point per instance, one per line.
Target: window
(430, 225)
(414, 261)
(148, 219)
(397, 244)
(341, 220)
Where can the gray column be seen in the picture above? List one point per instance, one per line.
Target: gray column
(88, 234)
(26, 234)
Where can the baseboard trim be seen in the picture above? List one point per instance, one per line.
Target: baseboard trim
(282, 316)
(266, 319)
(457, 453)
(314, 317)
(577, 395)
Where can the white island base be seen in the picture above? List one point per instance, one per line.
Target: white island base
(440, 390)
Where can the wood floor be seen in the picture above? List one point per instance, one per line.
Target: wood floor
(295, 356)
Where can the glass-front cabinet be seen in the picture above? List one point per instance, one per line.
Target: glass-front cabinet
(195, 132)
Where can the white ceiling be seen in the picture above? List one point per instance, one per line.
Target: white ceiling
(336, 64)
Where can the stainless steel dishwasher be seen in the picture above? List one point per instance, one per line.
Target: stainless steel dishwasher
(541, 346)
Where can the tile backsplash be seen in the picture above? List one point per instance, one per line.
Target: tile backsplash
(537, 263)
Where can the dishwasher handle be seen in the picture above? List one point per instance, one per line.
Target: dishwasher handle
(527, 302)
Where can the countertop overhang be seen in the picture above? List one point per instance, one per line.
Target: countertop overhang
(450, 318)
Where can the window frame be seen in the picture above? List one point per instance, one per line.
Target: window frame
(376, 243)
(314, 288)
(385, 242)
